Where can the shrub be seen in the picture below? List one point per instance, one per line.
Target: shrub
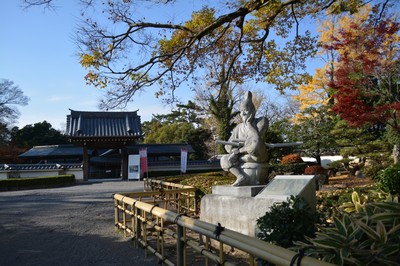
(371, 171)
(291, 159)
(335, 165)
(359, 200)
(389, 179)
(315, 170)
(333, 203)
(369, 236)
(287, 222)
(37, 182)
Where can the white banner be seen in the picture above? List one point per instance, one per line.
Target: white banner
(134, 167)
(183, 160)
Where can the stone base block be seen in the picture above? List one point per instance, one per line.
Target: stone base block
(238, 208)
(244, 191)
(239, 214)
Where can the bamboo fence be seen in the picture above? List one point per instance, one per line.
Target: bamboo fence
(159, 221)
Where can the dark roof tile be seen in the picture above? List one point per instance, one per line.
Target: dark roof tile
(81, 124)
(53, 151)
(19, 167)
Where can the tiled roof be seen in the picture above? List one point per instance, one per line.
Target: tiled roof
(81, 124)
(70, 150)
(19, 167)
(53, 151)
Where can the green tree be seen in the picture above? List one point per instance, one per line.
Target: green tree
(187, 113)
(221, 108)
(180, 126)
(177, 133)
(41, 133)
(314, 130)
(365, 143)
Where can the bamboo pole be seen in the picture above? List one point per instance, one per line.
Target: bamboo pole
(116, 212)
(124, 217)
(180, 245)
(258, 248)
(158, 255)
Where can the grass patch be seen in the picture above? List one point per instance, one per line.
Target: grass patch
(204, 181)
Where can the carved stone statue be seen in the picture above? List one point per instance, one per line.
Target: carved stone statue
(247, 158)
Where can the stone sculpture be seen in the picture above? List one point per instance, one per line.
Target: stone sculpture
(247, 152)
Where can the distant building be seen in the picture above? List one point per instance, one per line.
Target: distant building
(64, 153)
(104, 163)
(95, 131)
(100, 145)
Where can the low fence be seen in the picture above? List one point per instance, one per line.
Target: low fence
(180, 198)
(164, 228)
(156, 169)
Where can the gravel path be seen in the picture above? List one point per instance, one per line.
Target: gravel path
(66, 226)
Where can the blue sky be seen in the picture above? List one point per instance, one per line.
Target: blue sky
(38, 54)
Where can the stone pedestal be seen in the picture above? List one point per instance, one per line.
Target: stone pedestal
(244, 191)
(238, 208)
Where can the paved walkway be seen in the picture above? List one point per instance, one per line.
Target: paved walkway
(66, 226)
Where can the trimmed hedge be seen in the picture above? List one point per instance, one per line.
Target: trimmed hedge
(36, 182)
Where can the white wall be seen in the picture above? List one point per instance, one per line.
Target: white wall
(38, 173)
(325, 160)
(77, 172)
(3, 175)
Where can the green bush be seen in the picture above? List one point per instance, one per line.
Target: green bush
(389, 179)
(335, 165)
(333, 203)
(371, 171)
(287, 221)
(359, 199)
(37, 182)
(368, 236)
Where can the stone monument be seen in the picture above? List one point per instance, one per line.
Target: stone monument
(247, 152)
(238, 206)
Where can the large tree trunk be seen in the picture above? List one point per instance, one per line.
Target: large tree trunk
(318, 158)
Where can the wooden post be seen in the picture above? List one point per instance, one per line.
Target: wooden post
(180, 246)
(138, 229)
(124, 217)
(124, 163)
(116, 212)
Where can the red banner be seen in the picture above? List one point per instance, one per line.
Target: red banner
(143, 160)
